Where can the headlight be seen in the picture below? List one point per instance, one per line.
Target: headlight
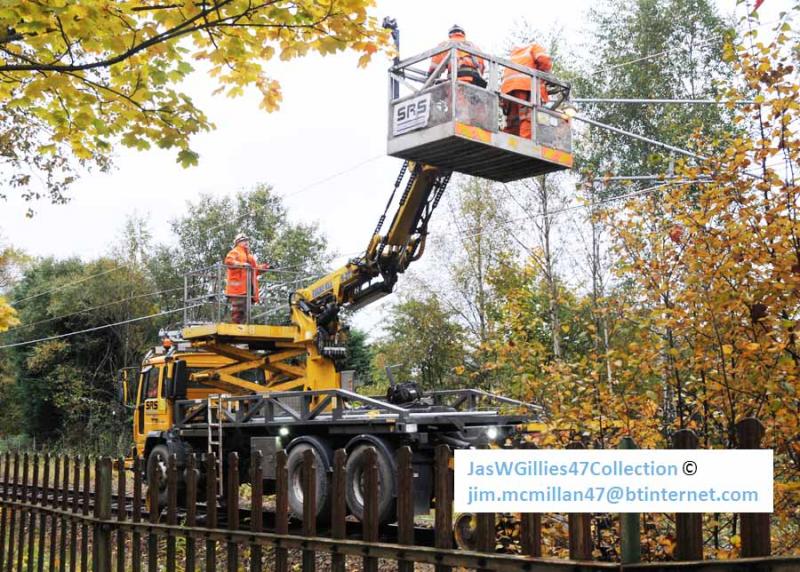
(283, 431)
(492, 433)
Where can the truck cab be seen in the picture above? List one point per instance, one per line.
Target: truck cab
(164, 377)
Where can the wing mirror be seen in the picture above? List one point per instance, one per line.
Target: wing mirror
(126, 385)
(177, 384)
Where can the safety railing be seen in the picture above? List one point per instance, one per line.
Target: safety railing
(209, 299)
(449, 98)
(339, 405)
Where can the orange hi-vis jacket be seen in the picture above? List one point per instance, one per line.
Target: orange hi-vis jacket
(533, 56)
(468, 65)
(236, 278)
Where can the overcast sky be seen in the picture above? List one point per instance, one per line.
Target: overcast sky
(333, 117)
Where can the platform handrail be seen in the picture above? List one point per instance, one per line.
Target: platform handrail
(487, 396)
(403, 65)
(243, 408)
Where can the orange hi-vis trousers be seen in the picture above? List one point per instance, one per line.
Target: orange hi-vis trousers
(518, 118)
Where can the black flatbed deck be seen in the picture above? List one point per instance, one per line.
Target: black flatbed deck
(339, 409)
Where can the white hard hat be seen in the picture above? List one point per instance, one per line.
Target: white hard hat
(241, 237)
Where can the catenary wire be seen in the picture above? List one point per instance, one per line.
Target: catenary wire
(92, 309)
(67, 285)
(272, 286)
(96, 328)
(364, 162)
(105, 272)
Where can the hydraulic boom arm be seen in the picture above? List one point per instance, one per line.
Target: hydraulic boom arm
(371, 276)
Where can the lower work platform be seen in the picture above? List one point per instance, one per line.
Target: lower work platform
(251, 334)
(480, 153)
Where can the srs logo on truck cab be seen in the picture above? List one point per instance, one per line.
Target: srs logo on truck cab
(411, 114)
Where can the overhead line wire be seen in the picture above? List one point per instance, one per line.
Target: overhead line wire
(138, 296)
(105, 272)
(369, 160)
(96, 328)
(670, 50)
(120, 323)
(63, 286)
(93, 308)
(305, 188)
(562, 210)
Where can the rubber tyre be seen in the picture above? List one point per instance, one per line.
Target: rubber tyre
(158, 459)
(387, 484)
(294, 465)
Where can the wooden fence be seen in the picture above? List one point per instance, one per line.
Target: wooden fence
(67, 514)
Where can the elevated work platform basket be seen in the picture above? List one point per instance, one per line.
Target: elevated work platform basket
(435, 118)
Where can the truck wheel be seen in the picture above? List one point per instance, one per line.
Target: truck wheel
(294, 468)
(387, 487)
(157, 461)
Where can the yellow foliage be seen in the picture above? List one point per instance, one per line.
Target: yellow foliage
(8, 317)
(90, 72)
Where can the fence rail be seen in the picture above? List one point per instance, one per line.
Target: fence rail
(70, 513)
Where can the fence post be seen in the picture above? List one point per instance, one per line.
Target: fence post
(755, 526)
(309, 475)
(370, 521)
(172, 509)
(256, 507)
(530, 528)
(32, 519)
(580, 528)
(191, 510)
(52, 502)
(76, 507)
(233, 509)
(443, 491)
(688, 527)
(486, 536)
(23, 514)
(629, 523)
(136, 516)
(62, 550)
(4, 514)
(530, 532)
(43, 514)
(102, 504)
(281, 509)
(339, 507)
(211, 510)
(154, 510)
(405, 504)
(12, 513)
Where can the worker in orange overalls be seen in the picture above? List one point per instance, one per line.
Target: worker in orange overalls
(516, 84)
(470, 67)
(240, 263)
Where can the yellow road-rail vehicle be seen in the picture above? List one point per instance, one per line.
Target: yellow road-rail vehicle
(261, 386)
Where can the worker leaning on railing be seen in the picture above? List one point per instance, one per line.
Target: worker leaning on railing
(240, 264)
(470, 67)
(518, 85)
